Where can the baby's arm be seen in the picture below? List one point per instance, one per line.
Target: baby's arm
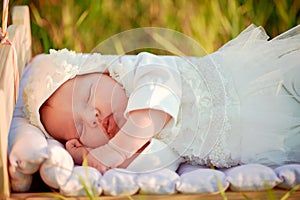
(140, 127)
(76, 150)
(155, 99)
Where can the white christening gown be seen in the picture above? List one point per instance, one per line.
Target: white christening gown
(238, 105)
(241, 104)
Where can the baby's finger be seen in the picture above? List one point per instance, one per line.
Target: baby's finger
(92, 162)
(73, 143)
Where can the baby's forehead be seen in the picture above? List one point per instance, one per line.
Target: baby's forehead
(57, 112)
(62, 94)
(73, 88)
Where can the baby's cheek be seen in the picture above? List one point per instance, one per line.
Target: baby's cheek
(93, 140)
(69, 147)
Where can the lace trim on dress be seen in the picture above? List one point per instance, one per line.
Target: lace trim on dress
(217, 87)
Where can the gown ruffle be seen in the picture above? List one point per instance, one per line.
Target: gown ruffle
(248, 99)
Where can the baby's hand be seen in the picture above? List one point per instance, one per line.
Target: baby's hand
(94, 162)
(77, 150)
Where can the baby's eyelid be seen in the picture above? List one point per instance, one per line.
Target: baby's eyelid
(82, 130)
(79, 128)
(89, 97)
(82, 133)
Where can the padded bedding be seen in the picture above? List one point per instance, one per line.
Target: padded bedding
(58, 171)
(30, 152)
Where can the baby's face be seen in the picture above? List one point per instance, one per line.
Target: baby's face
(89, 108)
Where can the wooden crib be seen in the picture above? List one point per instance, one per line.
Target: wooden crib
(14, 55)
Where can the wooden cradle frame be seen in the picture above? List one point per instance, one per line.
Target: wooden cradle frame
(13, 59)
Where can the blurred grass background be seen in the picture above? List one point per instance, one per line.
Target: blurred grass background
(81, 24)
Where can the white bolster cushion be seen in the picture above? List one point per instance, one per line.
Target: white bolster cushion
(56, 170)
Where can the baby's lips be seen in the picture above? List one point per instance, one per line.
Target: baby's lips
(111, 129)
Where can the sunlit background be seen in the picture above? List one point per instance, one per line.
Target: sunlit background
(81, 24)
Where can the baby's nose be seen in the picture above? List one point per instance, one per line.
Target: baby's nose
(95, 119)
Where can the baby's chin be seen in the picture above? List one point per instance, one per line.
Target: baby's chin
(95, 143)
(120, 120)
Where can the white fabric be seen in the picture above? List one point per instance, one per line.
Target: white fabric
(29, 148)
(56, 170)
(19, 182)
(48, 72)
(185, 168)
(201, 181)
(162, 181)
(289, 174)
(119, 182)
(270, 110)
(252, 177)
(83, 180)
(157, 155)
(247, 95)
(150, 81)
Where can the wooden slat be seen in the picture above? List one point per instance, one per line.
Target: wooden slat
(12, 61)
(7, 103)
(274, 194)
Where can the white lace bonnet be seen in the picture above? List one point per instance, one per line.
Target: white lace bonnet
(49, 71)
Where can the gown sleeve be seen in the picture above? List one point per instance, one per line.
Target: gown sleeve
(156, 84)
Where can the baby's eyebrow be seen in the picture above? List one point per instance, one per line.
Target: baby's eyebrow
(78, 128)
(47, 103)
(76, 125)
(90, 88)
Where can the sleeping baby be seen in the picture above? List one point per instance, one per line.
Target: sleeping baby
(116, 110)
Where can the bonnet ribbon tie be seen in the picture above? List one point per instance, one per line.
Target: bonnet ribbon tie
(4, 37)
(3, 33)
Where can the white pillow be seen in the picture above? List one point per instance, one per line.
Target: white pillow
(56, 170)
(289, 174)
(202, 181)
(19, 182)
(28, 148)
(82, 179)
(251, 177)
(119, 182)
(158, 182)
(185, 167)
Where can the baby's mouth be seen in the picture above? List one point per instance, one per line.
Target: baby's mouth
(110, 126)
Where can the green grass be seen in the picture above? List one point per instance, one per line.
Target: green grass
(81, 25)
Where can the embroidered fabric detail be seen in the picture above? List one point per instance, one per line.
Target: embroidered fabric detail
(65, 66)
(120, 69)
(204, 123)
